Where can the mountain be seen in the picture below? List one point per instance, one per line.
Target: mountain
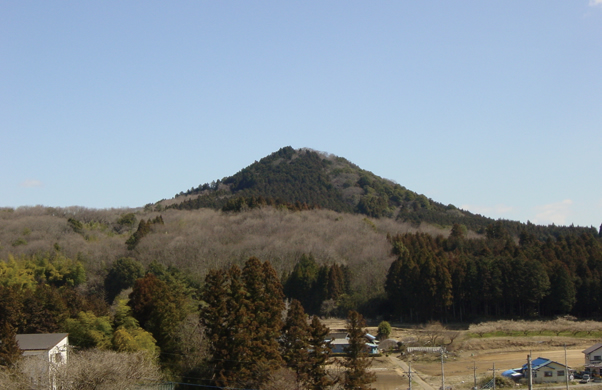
(304, 179)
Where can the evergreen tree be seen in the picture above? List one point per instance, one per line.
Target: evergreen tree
(561, 299)
(122, 275)
(319, 351)
(266, 305)
(160, 309)
(10, 316)
(356, 360)
(44, 310)
(295, 340)
(336, 282)
(384, 330)
(242, 312)
(301, 283)
(214, 311)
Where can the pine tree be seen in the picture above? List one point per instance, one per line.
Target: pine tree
(356, 361)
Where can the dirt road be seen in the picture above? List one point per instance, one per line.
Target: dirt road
(392, 372)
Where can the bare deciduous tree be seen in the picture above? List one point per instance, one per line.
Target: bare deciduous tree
(86, 370)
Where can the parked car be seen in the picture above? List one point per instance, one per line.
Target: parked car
(585, 378)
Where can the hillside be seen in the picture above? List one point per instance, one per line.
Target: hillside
(306, 179)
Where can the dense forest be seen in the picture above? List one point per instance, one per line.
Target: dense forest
(327, 237)
(459, 279)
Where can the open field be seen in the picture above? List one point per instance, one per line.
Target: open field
(465, 353)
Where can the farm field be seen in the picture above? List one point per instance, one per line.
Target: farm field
(464, 353)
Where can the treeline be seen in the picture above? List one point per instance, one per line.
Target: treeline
(460, 279)
(241, 203)
(229, 332)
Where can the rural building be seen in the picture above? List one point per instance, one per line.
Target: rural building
(546, 371)
(339, 341)
(43, 354)
(593, 358)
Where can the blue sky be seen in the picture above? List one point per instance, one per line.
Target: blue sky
(493, 106)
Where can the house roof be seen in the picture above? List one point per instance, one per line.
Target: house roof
(592, 348)
(44, 341)
(539, 363)
(340, 342)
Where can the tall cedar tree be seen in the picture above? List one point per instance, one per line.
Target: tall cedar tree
(295, 340)
(159, 309)
(318, 357)
(10, 315)
(123, 274)
(44, 310)
(242, 312)
(214, 312)
(357, 361)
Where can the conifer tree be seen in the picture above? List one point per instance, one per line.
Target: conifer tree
(336, 282)
(266, 304)
(10, 315)
(122, 274)
(242, 312)
(160, 309)
(295, 340)
(356, 361)
(318, 357)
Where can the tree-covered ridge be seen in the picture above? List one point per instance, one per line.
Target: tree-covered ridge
(308, 177)
(458, 279)
(305, 179)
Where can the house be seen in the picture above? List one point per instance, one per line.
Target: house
(44, 353)
(51, 347)
(593, 358)
(339, 341)
(546, 371)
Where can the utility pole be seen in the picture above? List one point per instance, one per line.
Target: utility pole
(410, 375)
(567, 372)
(442, 370)
(474, 374)
(529, 371)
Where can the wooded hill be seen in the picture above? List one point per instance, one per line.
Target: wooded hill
(306, 179)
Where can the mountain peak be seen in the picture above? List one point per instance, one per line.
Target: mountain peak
(305, 178)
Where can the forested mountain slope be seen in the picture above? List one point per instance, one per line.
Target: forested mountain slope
(305, 179)
(197, 240)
